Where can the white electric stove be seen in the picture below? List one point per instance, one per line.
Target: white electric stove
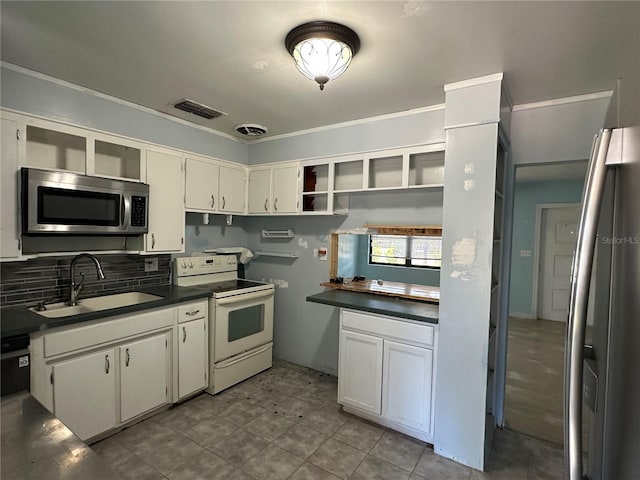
(240, 317)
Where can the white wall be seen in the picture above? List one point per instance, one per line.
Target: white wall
(556, 133)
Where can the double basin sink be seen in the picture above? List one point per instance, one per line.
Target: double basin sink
(96, 304)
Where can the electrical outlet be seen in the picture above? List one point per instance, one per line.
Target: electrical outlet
(151, 264)
(525, 253)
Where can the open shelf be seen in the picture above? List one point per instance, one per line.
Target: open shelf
(315, 202)
(349, 175)
(277, 254)
(426, 168)
(117, 160)
(50, 149)
(316, 178)
(385, 172)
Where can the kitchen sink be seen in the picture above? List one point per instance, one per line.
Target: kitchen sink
(96, 304)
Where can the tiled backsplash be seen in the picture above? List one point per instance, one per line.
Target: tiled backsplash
(32, 281)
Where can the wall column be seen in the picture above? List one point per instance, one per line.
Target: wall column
(472, 114)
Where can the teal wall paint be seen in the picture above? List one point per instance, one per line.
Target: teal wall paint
(527, 196)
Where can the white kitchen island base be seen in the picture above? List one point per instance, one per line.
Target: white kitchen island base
(386, 371)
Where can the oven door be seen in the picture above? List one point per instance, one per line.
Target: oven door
(242, 322)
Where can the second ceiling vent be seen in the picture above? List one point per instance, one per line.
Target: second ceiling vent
(198, 109)
(251, 129)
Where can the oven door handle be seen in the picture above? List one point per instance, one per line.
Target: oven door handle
(243, 356)
(245, 297)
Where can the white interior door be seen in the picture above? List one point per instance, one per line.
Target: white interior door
(558, 235)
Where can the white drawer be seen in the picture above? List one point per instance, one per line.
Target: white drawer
(192, 311)
(107, 331)
(389, 327)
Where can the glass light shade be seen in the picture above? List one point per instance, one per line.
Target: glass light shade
(322, 59)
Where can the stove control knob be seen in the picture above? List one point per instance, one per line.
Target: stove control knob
(184, 265)
(229, 260)
(190, 264)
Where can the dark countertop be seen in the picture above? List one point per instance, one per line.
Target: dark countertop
(36, 445)
(395, 307)
(21, 320)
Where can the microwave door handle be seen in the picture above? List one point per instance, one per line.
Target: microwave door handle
(125, 211)
(578, 303)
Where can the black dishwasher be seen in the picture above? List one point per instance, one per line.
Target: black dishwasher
(15, 374)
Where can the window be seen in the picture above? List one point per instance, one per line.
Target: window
(405, 251)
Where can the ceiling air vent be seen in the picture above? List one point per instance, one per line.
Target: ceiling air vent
(203, 111)
(251, 129)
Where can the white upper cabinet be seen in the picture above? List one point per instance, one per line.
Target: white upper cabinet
(274, 190)
(260, 191)
(54, 146)
(166, 207)
(285, 189)
(9, 234)
(232, 189)
(201, 185)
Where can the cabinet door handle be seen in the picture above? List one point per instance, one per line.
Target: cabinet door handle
(224, 202)
(213, 201)
(184, 334)
(266, 201)
(153, 240)
(191, 314)
(128, 358)
(106, 364)
(275, 204)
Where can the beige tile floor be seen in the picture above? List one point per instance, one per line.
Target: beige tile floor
(285, 424)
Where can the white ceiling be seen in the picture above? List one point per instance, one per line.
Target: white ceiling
(230, 55)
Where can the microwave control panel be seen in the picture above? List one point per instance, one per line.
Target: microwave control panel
(138, 211)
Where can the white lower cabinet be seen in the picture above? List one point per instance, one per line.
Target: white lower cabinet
(360, 375)
(192, 357)
(84, 393)
(144, 365)
(386, 371)
(103, 374)
(406, 385)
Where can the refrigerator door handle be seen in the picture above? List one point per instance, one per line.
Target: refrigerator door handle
(580, 281)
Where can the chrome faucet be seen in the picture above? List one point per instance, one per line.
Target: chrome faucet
(76, 288)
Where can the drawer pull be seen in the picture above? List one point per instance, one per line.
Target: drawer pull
(192, 313)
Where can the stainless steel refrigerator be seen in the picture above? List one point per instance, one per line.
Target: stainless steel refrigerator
(602, 360)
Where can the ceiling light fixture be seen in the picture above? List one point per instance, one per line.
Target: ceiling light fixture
(322, 50)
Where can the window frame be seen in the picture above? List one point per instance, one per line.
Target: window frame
(408, 258)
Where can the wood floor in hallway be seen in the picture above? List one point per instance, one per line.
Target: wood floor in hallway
(535, 363)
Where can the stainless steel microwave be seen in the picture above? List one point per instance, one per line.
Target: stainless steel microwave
(70, 203)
